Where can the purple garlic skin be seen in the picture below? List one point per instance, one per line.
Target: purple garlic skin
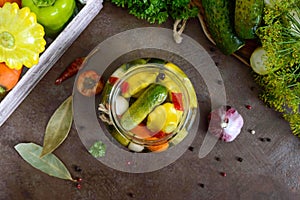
(225, 123)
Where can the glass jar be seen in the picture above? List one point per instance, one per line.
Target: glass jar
(150, 106)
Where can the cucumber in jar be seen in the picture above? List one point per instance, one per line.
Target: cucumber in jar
(153, 96)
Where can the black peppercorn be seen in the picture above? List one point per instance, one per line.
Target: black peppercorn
(240, 159)
(160, 76)
(77, 168)
(130, 194)
(262, 139)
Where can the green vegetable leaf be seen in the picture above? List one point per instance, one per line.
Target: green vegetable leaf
(58, 127)
(48, 164)
(98, 149)
(159, 11)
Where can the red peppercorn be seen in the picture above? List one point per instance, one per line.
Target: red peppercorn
(223, 174)
(248, 107)
(79, 180)
(78, 186)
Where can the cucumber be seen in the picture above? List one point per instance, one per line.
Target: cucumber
(154, 95)
(120, 138)
(247, 17)
(257, 61)
(219, 16)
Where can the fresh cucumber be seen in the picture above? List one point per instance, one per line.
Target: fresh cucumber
(154, 95)
(257, 61)
(219, 16)
(247, 17)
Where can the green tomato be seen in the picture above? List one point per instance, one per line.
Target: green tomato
(52, 14)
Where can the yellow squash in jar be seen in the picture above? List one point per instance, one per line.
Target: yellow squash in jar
(173, 118)
(138, 82)
(164, 118)
(157, 119)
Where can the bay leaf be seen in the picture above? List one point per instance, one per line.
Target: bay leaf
(58, 127)
(48, 164)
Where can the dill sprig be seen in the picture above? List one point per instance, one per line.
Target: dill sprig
(280, 37)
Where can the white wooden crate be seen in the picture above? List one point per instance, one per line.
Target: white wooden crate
(49, 57)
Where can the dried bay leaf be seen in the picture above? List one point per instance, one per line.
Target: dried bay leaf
(58, 127)
(48, 164)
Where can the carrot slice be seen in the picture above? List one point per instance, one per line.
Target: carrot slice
(158, 148)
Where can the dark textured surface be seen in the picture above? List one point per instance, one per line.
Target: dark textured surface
(269, 170)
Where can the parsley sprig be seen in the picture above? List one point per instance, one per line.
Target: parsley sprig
(159, 11)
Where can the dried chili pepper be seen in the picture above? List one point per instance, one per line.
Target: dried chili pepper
(71, 70)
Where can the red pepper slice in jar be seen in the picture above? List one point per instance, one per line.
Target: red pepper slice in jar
(124, 87)
(112, 80)
(177, 101)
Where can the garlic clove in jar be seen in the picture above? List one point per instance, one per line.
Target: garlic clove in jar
(225, 123)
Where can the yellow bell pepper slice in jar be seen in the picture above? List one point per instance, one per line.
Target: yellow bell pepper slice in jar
(21, 37)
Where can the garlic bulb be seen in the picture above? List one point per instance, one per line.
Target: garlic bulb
(225, 123)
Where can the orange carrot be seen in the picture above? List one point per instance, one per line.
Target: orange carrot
(159, 147)
(8, 77)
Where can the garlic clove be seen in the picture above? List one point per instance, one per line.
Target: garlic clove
(225, 123)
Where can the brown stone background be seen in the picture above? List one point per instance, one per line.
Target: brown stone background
(270, 170)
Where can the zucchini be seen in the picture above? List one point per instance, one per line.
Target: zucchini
(219, 16)
(247, 17)
(153, 96)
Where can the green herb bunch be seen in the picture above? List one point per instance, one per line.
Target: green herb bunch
(159, 10)
(280, 37)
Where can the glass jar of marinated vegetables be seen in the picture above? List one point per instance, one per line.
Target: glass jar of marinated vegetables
(149, 106)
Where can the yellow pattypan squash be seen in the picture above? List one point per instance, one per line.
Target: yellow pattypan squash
(21, 37)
